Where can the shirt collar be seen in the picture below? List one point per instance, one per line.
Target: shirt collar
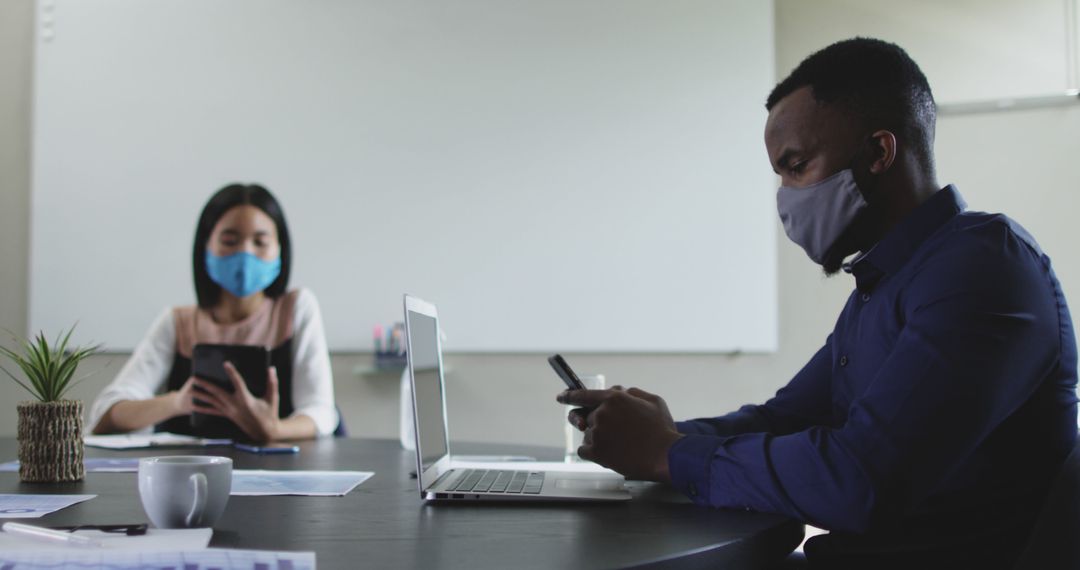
(894, 250)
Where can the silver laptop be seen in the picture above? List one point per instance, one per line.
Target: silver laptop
(438, 477)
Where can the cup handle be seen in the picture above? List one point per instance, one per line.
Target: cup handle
(198, 484)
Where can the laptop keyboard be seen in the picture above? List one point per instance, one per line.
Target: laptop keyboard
(498, 481)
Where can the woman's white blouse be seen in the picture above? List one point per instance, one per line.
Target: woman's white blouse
(146, 372)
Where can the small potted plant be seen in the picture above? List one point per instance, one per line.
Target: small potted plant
(51, 428)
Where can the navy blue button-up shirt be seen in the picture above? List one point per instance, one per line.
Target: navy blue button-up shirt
(930, 425)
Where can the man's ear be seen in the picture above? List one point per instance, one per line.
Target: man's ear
(883, 147)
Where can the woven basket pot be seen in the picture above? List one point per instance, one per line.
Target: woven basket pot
(51, 441)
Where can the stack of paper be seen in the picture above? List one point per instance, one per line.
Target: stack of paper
(224, 559)
(158, 549)
(155, 540)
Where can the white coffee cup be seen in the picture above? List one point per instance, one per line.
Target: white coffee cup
(184, 491)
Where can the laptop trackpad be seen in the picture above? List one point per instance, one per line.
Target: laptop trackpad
(597, 484)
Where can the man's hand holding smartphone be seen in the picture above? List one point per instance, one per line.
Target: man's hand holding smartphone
(577, 417)
(629, 431)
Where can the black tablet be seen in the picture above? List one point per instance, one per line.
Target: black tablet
(208, 363)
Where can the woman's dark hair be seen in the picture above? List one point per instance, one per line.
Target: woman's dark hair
(206, 290)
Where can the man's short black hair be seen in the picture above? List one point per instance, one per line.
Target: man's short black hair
(206, 290)
(877, 82)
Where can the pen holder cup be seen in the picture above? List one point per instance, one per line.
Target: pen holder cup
(390, 360)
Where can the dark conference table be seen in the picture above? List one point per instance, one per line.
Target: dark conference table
(383, 524)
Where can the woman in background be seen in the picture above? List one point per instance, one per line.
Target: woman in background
(242, 257)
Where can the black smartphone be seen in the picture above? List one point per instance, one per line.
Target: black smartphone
(565, 372)
(208, 363)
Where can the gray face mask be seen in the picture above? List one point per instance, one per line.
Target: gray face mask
(814, 216)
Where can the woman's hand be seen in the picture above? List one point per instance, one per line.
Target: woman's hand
(257, 417)
(130, 415)
(183, 399)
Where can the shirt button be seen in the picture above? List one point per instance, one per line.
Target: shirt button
(692, 489)
(843, 361)
(865, 297)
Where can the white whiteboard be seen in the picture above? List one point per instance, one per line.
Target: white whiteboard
(576, 175)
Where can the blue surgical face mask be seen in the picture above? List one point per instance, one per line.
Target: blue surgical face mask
(815, 216)
(242, 273)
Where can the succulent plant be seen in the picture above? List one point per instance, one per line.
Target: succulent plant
(49, 368)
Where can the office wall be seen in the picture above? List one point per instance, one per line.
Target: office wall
(15, 74)
(1016, 162)
(492, 397)
(509, 397)
(427, 145)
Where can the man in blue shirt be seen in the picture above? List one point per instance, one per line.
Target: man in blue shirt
(929, 427)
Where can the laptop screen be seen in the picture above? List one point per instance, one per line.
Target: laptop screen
(427, 379)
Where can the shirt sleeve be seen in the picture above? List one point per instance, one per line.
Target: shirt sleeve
(144, 374)
(803, 402)
(313, 381)
(982, 332)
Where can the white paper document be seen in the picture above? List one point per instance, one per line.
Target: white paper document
(223, 559)
(256, 482)
(93, 465)
(33, 506)
(143, 440)
(155, 540)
